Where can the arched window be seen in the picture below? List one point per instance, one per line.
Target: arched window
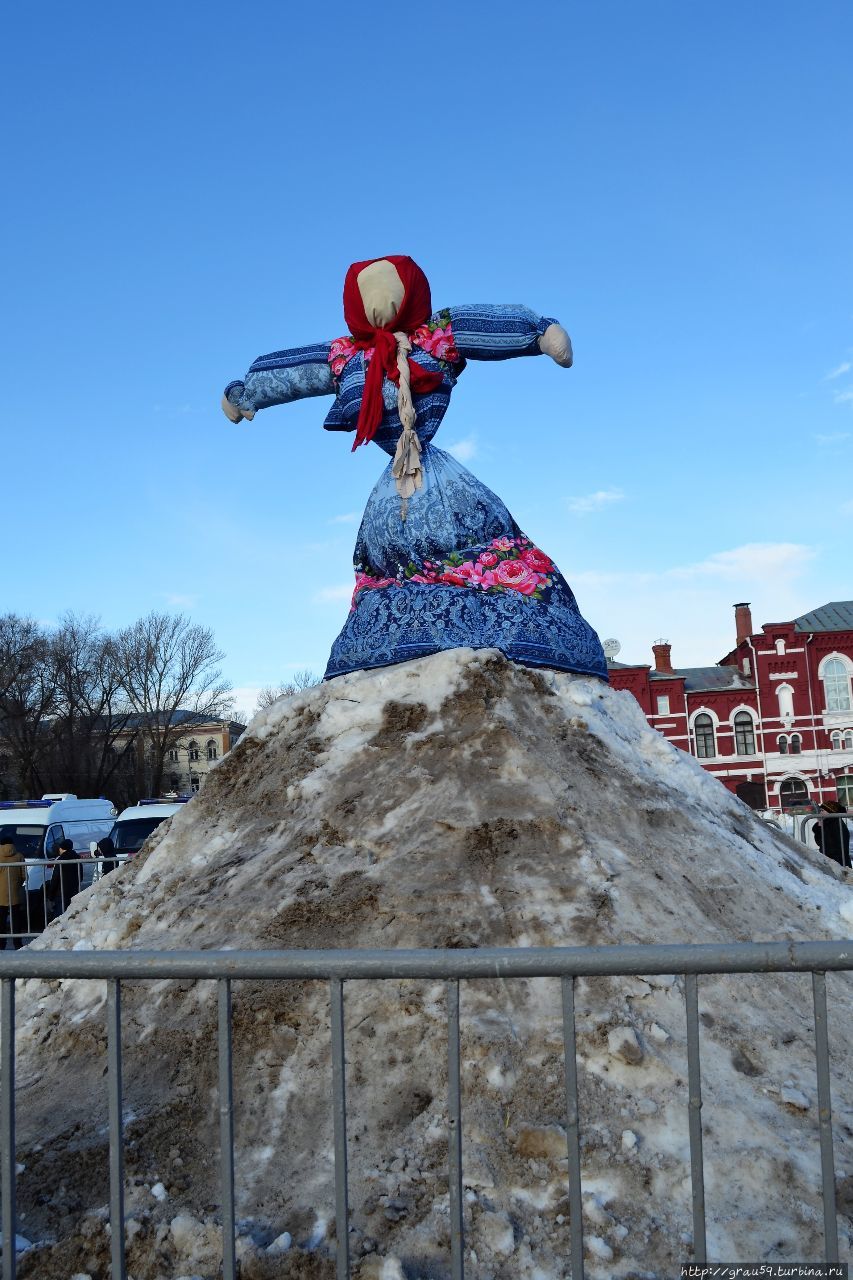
(844, 787)
(782, 744)
(796, 744)
(173, 754)
(848, 741)
(744, 734)
(193, 750)
(703, 728)
(836, 685)
(835, 739)
(212, 753)
(793, 793)
(785, 695)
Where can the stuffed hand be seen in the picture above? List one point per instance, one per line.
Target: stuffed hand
(233, 414)
(557, 344)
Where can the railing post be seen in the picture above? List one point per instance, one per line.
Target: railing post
(339, 1107)
(694, 1115)
(454, 1134)
(570, 1054)
(8, 1221)
(824, 1107)
(226, 1130)
(116, 1129)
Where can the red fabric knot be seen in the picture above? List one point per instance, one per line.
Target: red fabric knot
(414, 311)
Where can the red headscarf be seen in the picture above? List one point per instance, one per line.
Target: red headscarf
(415, 310)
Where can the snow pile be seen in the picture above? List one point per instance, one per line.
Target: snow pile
(457, 801)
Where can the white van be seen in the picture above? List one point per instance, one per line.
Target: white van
(37, 826)
(133, 826)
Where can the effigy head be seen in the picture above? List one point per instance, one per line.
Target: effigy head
(386, 293)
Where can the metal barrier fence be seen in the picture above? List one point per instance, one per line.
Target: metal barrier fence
(37, 890)
(835, 830)
(337, 967)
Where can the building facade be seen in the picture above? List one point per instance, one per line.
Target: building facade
(773, 719)
(197, 743)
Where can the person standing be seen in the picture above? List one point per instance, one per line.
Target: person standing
(11, 889)
(832, 835)
(67, 878)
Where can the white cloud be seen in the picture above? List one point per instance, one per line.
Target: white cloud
(691, 604)
(836, 437)
(463, 450)
(754, 561)
(343, 591)
(245, 698)
(181, 601)
(843, 368)
(594, 501)
(348, 517)
(843, 397)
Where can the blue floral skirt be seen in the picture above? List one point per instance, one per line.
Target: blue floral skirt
(457, 573)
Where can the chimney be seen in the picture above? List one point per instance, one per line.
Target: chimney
(743, 622)
(663, 662)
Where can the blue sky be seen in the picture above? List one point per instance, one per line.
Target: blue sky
(186, 185)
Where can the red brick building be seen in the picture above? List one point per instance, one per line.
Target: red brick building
(773, 720)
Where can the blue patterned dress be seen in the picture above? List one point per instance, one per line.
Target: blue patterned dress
(458, 571)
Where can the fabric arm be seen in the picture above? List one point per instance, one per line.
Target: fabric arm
(278, 378)
(494, 332)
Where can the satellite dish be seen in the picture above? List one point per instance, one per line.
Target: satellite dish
(611, 648)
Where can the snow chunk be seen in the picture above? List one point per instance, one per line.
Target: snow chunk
(281, 1244)
(624, 1043)
(599, 1248)
(793, 1097)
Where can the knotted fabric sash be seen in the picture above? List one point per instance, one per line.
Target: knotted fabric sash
(390, 345)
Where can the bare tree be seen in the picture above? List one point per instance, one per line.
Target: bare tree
(93, 710)
(27, 700)
(271, 693)
(169, 664)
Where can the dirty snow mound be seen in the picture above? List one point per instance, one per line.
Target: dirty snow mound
(456, 801)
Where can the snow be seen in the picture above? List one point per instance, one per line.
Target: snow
(455, 801)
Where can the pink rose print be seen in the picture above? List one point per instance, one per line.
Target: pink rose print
(516, 575)
(453, 578)
(502, 544)
(536, 560)
(437, 342)
(488, 559)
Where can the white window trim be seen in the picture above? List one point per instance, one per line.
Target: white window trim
(784, 716)
(715, 720)
(743, 709)
(848, 667)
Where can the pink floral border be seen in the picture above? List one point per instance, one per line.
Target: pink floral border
(506, 564)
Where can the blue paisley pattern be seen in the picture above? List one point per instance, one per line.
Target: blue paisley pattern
(452, 515)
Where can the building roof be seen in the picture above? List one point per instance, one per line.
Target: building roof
(182, 718)
(714, 679)
(835, 616)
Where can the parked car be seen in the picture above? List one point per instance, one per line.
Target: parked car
(37, 826)
(133, 826)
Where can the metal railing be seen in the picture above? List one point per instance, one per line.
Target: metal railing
(42, 893)
(338, 967)
(800, 826)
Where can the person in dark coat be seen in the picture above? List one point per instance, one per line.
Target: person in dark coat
(832, 835)
(67, 878)
(106, 851)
